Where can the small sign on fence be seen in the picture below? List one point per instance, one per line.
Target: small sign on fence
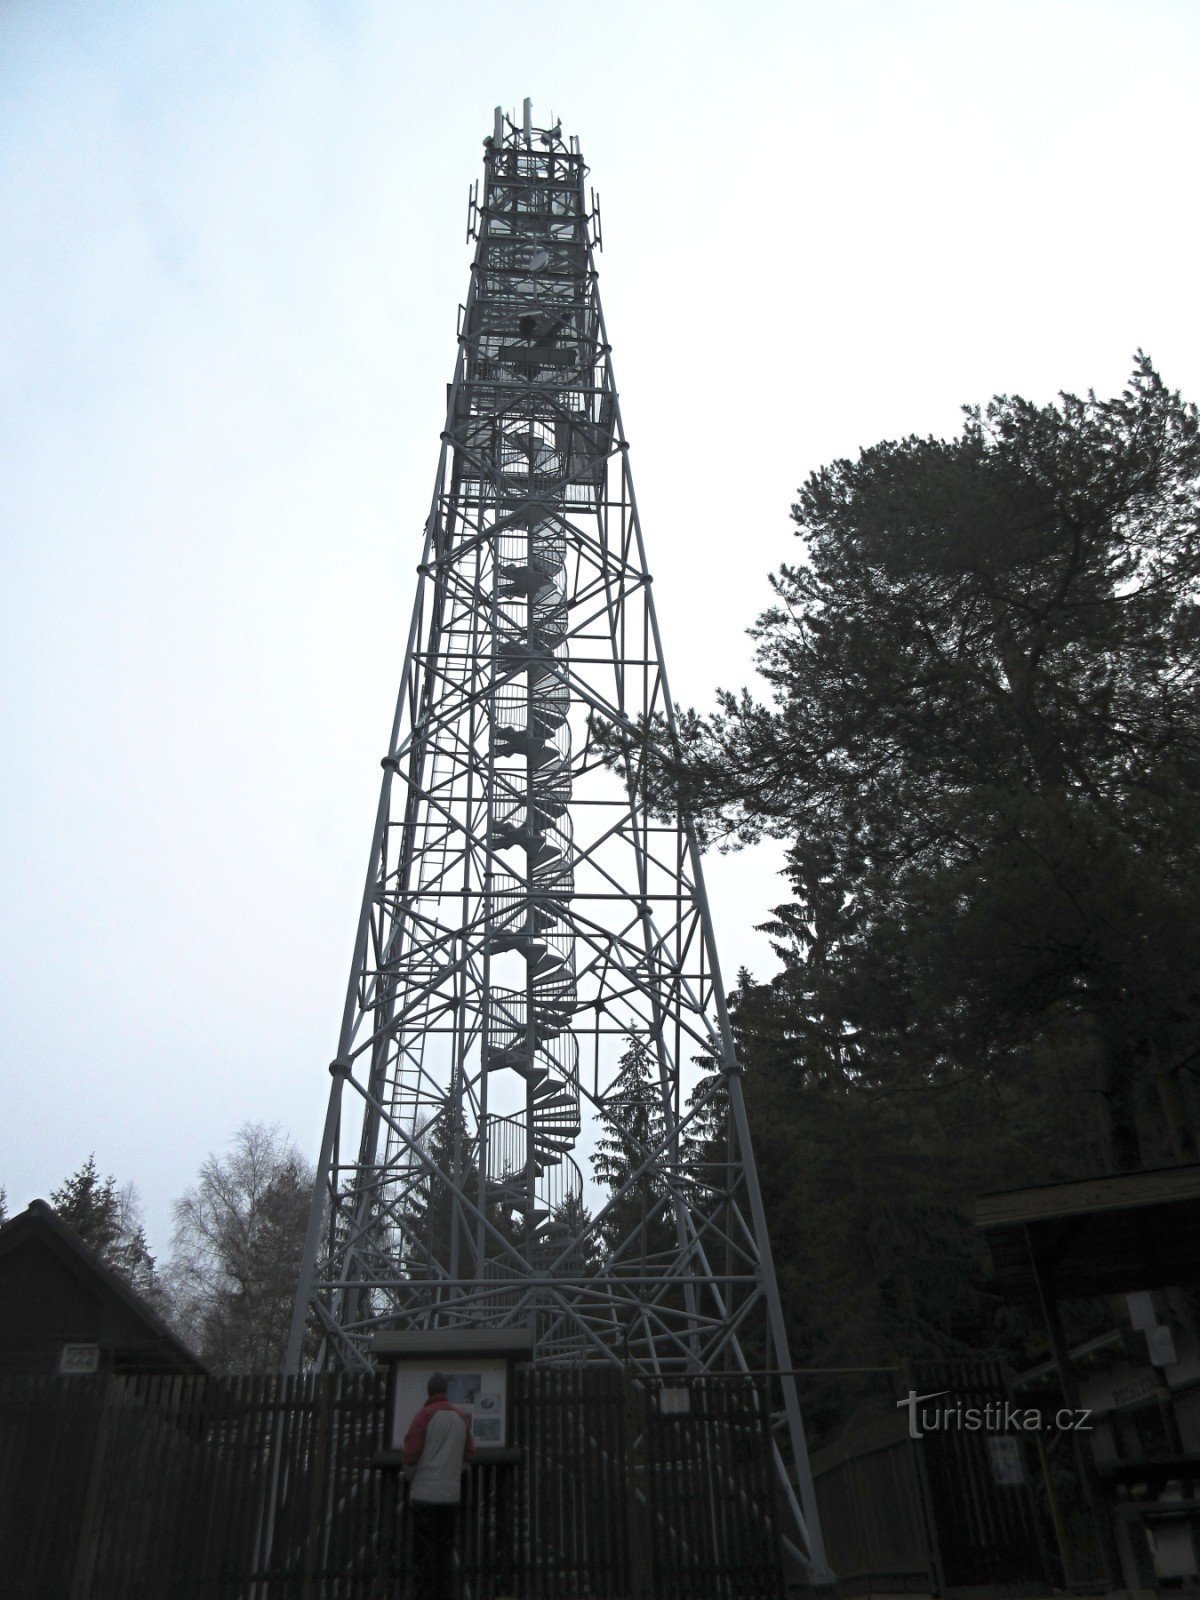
(79, 1360)
(1005, 1453)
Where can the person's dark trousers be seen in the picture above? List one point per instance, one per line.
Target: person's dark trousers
(433, 1549)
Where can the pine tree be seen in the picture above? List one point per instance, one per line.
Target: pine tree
(869, 1190)
(628, 1161)
(91, 1206)
(981, 742)
(571, 1220)
(108, 1221)
(704, 1142)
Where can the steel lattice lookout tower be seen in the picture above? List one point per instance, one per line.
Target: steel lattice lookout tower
(529, 929)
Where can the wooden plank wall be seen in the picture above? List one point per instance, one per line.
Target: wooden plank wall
(872, 1513)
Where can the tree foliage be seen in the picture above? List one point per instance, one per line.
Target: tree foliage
(108, 1220)
(982, 745)
(440, 1232)
(869, 1191)
(572, 1220)
(239, 1232)
(624, 1161)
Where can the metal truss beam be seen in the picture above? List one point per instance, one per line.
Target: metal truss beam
(526, 922)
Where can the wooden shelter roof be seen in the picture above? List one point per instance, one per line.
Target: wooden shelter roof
(1102, 1235)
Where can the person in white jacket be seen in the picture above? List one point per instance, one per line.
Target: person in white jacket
(438, 1448)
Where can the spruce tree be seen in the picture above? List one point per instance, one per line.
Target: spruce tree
(628, 1157)
(107, 1220)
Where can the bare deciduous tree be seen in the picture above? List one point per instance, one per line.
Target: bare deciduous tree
(236, 1250)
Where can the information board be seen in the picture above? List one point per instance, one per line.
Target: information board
(477, 1384)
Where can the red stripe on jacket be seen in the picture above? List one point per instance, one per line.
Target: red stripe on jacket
(414, 1439)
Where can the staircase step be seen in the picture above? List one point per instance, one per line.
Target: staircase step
(546, 1146)
(527, 742)
(510, 1061)
(533, 841)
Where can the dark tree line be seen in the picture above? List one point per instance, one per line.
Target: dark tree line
(980, 741)
(982, 746)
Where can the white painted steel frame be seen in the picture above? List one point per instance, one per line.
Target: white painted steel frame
(525, 917)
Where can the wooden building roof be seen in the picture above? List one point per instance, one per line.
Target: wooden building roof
(55, 1291)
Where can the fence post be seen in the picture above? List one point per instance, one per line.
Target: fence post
(81, 1573)
(316, 1491)
(937, 1573)
(635, 1477)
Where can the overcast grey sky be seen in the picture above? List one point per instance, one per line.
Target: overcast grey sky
(231, 255)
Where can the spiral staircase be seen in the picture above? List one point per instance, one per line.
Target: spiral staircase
(530, 1171)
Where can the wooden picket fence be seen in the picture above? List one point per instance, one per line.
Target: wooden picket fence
(124, 1488)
